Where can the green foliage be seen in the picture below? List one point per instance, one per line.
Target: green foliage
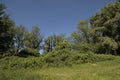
(34, 38)
(62, 46)
(51, 42)
(68, 58)
(89, 57)
(6, 33)
(52, 59)
(109, 43)
(27, 43)
(59, 56)
(83, 47)
(83, 33)
(19, 36)
(105, 25)
(82, 38)
(19, 68)
(29, 52)
(14, 62)
(101, 34)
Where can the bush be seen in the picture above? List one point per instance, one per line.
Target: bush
(57, 58)
(15, 62)
(29, 52)
(78, 58)
(60, 56)
(53, 59)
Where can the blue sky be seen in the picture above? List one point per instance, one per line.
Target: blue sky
(52, 16)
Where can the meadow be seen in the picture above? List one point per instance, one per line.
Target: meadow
(91, 52)
(103, 70)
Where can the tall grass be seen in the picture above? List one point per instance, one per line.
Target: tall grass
(107, 70)
(84, 67)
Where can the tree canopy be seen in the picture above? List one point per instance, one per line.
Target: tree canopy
(6, 31)
(98, 34)
(106, 26)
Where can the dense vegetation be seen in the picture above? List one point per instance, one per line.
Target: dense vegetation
(96, 39)
(99, 34)
(19, 68)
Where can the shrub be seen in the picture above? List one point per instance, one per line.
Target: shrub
(29, 52)
(60, 56)
(90, 57)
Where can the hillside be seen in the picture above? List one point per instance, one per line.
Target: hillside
(91, 51)
(18, 68)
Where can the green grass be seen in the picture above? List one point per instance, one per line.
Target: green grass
(108, 70)
(105, 70)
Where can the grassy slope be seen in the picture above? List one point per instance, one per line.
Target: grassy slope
(107, 70)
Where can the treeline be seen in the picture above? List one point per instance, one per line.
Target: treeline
(99, 34)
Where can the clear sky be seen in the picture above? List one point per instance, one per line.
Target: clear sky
(52, 16)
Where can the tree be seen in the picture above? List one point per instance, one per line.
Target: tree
(83, 32)
(34, 38)
(6, 31)
(82, 38)
(106, 26)
(19, 36)
(51, 42)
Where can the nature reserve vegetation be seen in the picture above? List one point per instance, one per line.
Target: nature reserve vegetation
(90, 53)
